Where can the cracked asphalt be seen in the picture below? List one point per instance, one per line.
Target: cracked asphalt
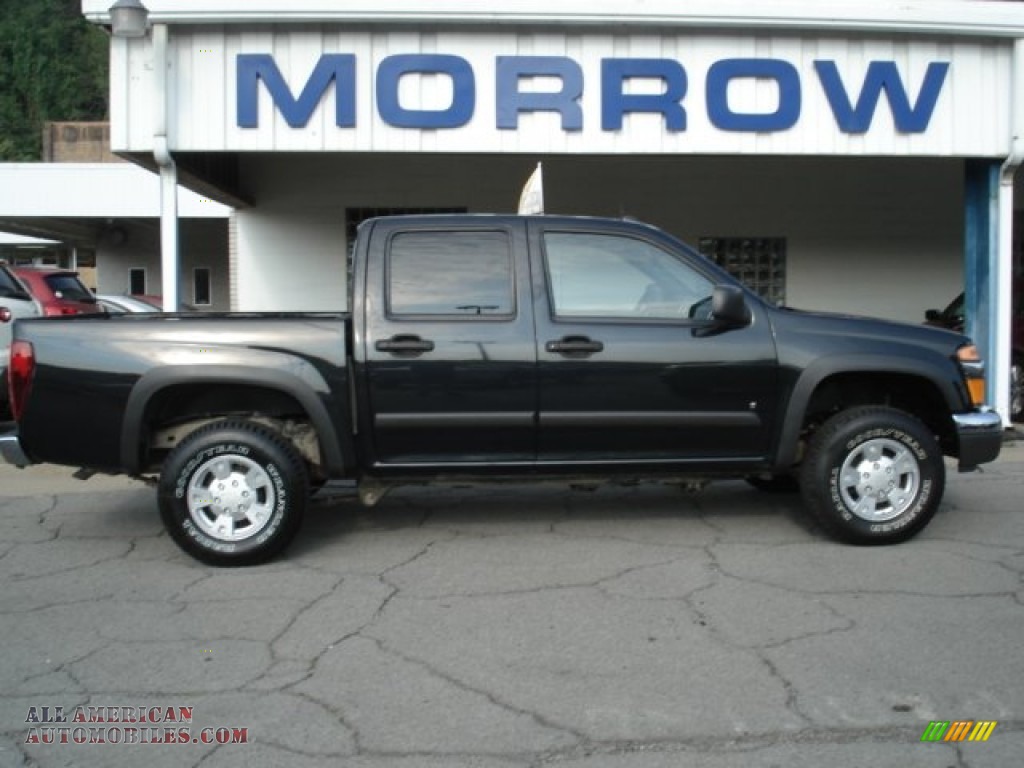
(510, 627)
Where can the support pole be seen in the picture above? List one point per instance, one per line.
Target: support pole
(1002, 316)
(169, 259)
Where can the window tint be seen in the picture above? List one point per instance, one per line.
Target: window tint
(9, 286)
(450, 273)
(68, 287)
(622, 277)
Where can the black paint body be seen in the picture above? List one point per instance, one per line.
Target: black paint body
(401, 395)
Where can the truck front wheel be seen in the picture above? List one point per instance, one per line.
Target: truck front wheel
(873, 475)
(233, 493)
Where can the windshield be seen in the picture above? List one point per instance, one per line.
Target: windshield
(9, 285)
(955, 311)
(69, 287)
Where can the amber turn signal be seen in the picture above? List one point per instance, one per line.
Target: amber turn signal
(974, 372)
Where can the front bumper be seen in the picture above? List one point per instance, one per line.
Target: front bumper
(10, 450)
(980, 435)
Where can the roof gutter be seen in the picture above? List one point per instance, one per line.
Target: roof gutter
(942, 17)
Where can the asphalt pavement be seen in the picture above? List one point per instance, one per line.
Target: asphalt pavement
(636, 627)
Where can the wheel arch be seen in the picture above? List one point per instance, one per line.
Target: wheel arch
(274, 389)
(925, 389)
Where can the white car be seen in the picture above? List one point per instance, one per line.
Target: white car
(120, 305)
(15, 302)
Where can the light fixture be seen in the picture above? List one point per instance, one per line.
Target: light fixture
(128, 18)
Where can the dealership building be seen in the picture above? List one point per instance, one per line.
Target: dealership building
(850, 156)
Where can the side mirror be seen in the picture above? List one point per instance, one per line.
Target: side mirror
(729, 306)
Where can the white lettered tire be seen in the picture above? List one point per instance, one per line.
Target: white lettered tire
(233, 493)
(873, 475)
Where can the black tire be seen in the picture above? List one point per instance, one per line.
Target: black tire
(775, 483)
(894, 475)
(265, 484)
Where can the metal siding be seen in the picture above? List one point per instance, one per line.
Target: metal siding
(971, 116)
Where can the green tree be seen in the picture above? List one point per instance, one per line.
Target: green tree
(53, 66)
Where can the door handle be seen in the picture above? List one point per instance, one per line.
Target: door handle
(405, 345)
(574, 346)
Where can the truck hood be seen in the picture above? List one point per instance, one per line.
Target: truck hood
(850, 332)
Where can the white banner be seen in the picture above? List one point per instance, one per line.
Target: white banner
(531, 201)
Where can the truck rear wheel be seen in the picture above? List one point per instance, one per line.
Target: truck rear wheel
(873, 475)
(233, 493)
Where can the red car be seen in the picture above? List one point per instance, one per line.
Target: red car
(58, 291)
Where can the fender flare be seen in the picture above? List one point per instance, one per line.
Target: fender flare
(937, 372)
(157, 380)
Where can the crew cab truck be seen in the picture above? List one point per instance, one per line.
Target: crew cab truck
(496, 347)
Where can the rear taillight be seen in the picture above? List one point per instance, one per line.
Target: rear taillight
(5, 315)
(20, 372)
(59, 311)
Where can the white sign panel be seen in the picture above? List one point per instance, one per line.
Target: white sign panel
(323, 89)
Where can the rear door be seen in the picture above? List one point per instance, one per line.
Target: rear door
(629, 371)
(449, 344)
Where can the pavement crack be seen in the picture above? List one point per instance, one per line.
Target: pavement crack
(706, 621)
(490, 697)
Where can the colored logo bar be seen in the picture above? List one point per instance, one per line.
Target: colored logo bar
(959, 730)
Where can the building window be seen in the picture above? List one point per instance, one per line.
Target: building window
(757, 262)
(201, 287)
(137, 281)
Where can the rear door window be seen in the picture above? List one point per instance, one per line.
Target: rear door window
(451, 274)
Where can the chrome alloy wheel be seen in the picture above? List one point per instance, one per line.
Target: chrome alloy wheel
(879, 480)
(231, 498)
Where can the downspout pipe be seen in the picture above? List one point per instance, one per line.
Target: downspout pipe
(999, 378)
(169, 261)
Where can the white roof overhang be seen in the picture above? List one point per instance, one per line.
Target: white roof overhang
(76, 202)
(92, 190)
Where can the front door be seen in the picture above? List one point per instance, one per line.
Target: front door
(629, 368)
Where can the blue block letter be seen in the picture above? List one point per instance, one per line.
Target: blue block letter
(882, 76)
(393, 68)
(615, 103)
(722, 115)
(511, 101)
(253, 67)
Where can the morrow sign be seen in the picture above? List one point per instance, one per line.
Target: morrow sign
(665, 84)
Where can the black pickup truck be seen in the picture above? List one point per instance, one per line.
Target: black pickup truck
(496, 347)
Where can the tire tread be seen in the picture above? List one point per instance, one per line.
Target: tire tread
(295, 472)
(816, 493)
